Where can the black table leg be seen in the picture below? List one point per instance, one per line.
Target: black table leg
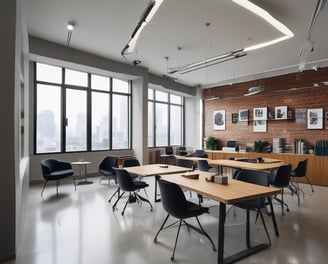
(156, 180)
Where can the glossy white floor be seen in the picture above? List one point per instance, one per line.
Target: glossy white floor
(80, 227)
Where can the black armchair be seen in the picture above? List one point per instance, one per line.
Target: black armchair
(126, 184)
(168, 156)
(55, 170)
(182, 151)
(176, 205)
(106, 168)
(199, 153)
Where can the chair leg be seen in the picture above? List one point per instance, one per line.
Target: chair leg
(309, 183)
(265, 227)
(126, 203)
(116, 192)
(205, 233)
(44, 186)
(57, 183)
(144, 200)
(176, 240)
(114, 205)
(161, 228)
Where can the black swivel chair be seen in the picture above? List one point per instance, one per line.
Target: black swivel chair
(182, 151)
(299, 172)
(260, 178)
(203, 165)
(126, 163)
(55, 170)
(168, 156)
(106, 168)
(281, 178)
(176, 205)
(131, 163)
(126, 184)
(199, 153)
(184, 163)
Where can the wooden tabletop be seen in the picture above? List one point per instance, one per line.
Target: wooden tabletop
(234, 191)
(268, 164)
(156, 169)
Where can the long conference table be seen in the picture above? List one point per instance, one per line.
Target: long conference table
(234, 191)
(267, 164)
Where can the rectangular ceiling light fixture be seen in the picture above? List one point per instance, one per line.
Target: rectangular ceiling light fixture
(145, 18)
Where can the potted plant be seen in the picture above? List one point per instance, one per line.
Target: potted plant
(211, 143)
(260, 145)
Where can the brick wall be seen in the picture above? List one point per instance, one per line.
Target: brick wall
(296, 91)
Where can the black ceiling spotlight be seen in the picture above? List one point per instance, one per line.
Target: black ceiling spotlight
(136, 62)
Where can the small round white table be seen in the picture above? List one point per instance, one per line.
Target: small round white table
(83, 171)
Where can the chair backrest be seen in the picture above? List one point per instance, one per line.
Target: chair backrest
(182, 151)
(252, 176)
(203, 165)
(200, 153)
(131, 163)
(184, 163)
(108, 163)
(173, 199)
(300, 170)
(282, 176)
(124, 180)
(169, 150)
(255, 177)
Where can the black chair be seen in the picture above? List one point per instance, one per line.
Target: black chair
(168, 156)
(260, 178)
(281, 178)
(184, 163)
(175, 204)
(299, 172)
(126, 184)
(199, 153)
(126, 163)
(106, 168)
(55, 170)
(131, 163)
(202, 165)
(182, 151)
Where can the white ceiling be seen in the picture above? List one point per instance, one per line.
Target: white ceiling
(103, 27)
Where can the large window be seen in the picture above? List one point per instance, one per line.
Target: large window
(80, 111)
(165, 119)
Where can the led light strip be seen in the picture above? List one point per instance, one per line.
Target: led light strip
(241, 52)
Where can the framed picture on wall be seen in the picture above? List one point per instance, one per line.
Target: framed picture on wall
(234, 118)
(219, 120)
(281, 112)
(243, 115)
(259, 126)
(260, 113)
(315, 118)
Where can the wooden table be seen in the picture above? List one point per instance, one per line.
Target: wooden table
(234, 191)
(156, 170)
(268, 163)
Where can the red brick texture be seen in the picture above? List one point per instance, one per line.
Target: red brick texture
(296, 91)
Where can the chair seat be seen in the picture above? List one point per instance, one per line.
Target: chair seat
(106, 172)
(140, 184)
(61, 174)
(195, 210)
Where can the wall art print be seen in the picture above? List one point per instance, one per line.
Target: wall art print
(315, 118)
(219, 120)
